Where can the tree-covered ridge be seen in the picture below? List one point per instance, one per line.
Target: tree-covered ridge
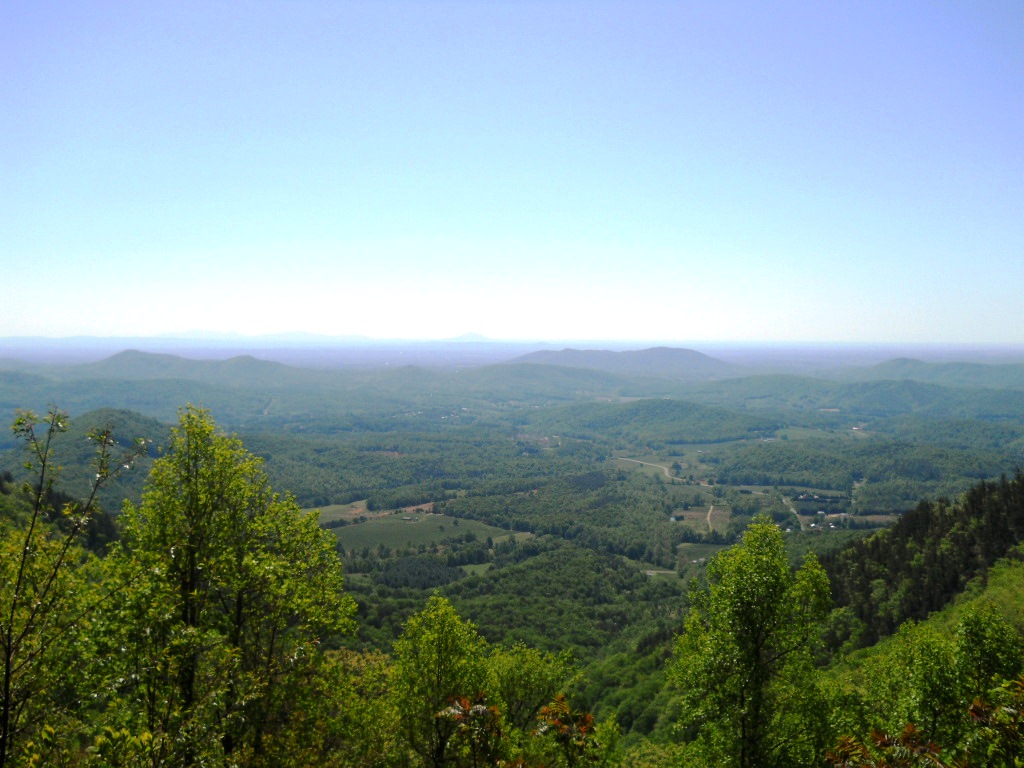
(823, 401)
(658, 420)
(888, 474)
(250, 392)
(74, 454)
(956, 374)
(929, 555)
(660, 362)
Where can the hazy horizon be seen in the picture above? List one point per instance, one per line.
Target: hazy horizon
(305, 350)
(720, 173)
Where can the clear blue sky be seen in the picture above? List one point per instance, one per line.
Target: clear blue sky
(809, 171)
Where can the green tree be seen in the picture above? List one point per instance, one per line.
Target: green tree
(988, 650)
(743, 661)
(47, 602)
(930, 678)
(916, 681)
(343, 715)
(525, 679)
(233, 587)
(438, 660)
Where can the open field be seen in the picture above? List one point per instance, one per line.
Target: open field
(690, 466)
(334, 512)
(714, 517)
(699, 552)
(719, 516)
(650, 466)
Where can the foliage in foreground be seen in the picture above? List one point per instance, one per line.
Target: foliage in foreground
(49, 598)
(744, 660)
(198, 639)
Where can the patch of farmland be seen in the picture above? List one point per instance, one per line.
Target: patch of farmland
(696, 553)
(714, 517)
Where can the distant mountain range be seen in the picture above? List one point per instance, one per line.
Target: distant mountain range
(306, 350)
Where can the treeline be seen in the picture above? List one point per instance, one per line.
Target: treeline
(917, 565)
(653, 421)
(887, 475)
(398, 469)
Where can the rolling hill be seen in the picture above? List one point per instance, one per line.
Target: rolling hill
(658, 362)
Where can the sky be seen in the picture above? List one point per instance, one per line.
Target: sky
(529, 170)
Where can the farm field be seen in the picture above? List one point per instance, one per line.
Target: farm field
(336, 512)
(709, 519)
(697, 553)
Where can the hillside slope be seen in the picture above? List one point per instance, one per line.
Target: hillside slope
(924, 560)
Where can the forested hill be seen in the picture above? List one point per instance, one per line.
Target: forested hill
(245, 390)
(926, 558)
(659, 362)
(674, 422)
(867, 399)
(959, 374)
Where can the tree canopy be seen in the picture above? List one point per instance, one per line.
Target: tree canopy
(743, 661)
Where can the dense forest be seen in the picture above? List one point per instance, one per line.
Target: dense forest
(534, 564)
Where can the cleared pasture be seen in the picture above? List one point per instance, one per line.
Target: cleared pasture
(713, 517)
(334, 512)
(696, 553)
(648, 465)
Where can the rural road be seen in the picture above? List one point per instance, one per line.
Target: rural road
(649, 464)
(670, 476)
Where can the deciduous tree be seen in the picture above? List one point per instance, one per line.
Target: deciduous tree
(743, 661)
(234, 587)
(438, 660)
(46, 602)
